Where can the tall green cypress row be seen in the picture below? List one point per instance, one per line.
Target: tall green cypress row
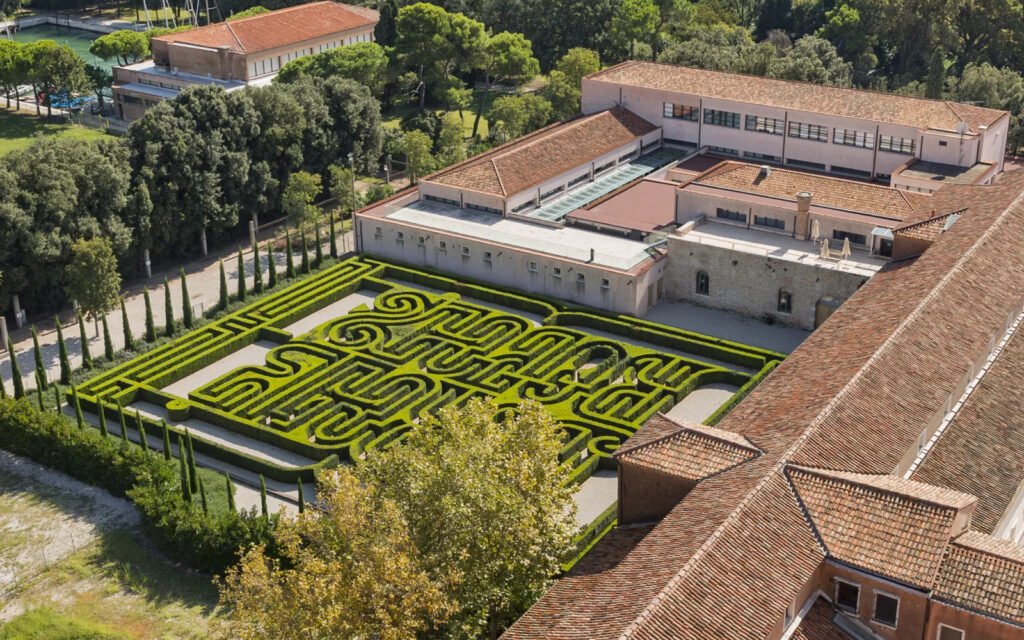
(304, 265)
(241, 276)
(334, 238)
(39, 390)
(319, 248)
(86, 355)
(124, 423)
(302, 498)
(186, 303)
(257, 270)
(62, 350)
(225, 297)
(126, 328)
(168, 310)
(289, 260)
(78, 409)
(103, 419)
(263, 496)
(150, 324)
(231, 492)
(167, 440)
(108, 344)
(19, 384)
(38, 354)
(271, 267)
(142, 431)
(202, 497)
(193, 472)
(186, 484)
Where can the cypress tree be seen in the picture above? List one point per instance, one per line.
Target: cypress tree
(225, 297)
(289, 261)
(202, 497)
(231, 492)
(319, 248)
(78, 409)
(103, 419)
(193, 472)
(56, 398)
(86, 356)
(3, 389)
(62, 349)
(124, 423)
(186, 303)
(334, 238)
(38, 353)
(19, 384)
(142, 431)
(108, 344)
(263, 496)
(129, 339)
(302, 499)
(167, 440)
(271, 267)
(304, 265)
(186, 484)
(241, 276)
(257, 272)
(168, 310)
(39, 391)
(150, 325)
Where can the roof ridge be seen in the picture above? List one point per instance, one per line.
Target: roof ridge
(697, 428)
(241, 46)
(572, 124)
(845, 476)
(988, 551)
(929, 220)
(497, 175)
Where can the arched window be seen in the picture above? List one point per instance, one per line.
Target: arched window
(785, 301)
(703, 283)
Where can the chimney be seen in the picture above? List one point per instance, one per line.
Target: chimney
(765, 171)
(803, 215)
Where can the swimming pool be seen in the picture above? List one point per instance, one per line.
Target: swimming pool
(78, 40)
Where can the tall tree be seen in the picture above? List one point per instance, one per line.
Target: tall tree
(299, 195)
(506, 56)
(126, 328)
(124, 46)
(62, 350)
(92, 277)
(417, 147)
(635, 20)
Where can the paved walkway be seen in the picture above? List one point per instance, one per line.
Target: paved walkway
(204, 291)
(727, 325)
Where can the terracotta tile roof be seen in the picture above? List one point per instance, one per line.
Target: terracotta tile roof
(928, 230)
(280, 28)
(684, 449)
(982, 450)
(544, 154)
(887, 525)
(817, 624)
(826, 191)
(984, 574)
(799, 96)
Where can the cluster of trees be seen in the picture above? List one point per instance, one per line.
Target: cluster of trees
(45, 65)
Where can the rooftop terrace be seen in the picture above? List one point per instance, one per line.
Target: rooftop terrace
(945, 173)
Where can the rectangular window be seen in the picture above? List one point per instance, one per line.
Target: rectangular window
(378, 233)
(727, 214)
(722, 118)
(764, 157)
(949, 633)
(580, 278)
(442, 246)
(556, 272)
(764, 125)
(578, 180)
(785, 301)
(487, 257)
(628, 156)
(895, 144)
(847, 596)
(399, 237)
(866, 175)
(606, 283)
(943, 143)
(855, 238)
(852, 138)
(465, 252)
(886, 609)
(444, 200)
(480, 207)
(804, 164)
(556, 190)
(723, 150)
(607, 165)
(533, 267)
(421, 241)
(772, 223)
(680, 112)
(808, 131)
(525, 205)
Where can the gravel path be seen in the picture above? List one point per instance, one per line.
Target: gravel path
(702, 402)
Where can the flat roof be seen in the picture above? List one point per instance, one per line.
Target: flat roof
(869, 106)
(148, 90)
(646, 206)
(150, 68)
(773, 245)
(945, 173)
(574, 244)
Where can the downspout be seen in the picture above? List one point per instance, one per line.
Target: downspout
(874, 156)
(700, 119)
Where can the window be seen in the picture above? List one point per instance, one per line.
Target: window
(885, 248)
(886, 609)
(577, 180)
(626, 157)
(723, 150)
(727, 214)
(580, 278)
(772, 223)
(949, 633)
(525, 205)
(556, 272)
(480, 207)
(399, 237)
(444, 200)
(545, 196)
(785, 301)
(378, 232)
(606, 283)
(421, 241)
(847, 595)
(855, 238)
(761, 156)
(442, 246)
(764, 125)
(895, 144)
(465, 252)
(808, 131)
(852, 138)
(533, 267)
(943, 143)
(607, 165)
(814, 166)
(722, 118)
(488, 257)
(680, 112)
(703, 283)
(866, 175)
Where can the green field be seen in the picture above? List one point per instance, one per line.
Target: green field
(18, 130)
(393, 117)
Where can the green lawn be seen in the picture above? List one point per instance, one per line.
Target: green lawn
(393, 116)
(18, 130)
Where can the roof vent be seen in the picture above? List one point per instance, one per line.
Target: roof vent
(765, 171)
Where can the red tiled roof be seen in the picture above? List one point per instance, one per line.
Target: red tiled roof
(280, 28)
(545, 153)
(928, 230)
(799, 96)
(984, 574)
(817, 624)
(887, 525)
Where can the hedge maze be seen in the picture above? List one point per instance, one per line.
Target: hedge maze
(360, 381)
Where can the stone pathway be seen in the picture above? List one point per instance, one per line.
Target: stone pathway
(702, 402)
